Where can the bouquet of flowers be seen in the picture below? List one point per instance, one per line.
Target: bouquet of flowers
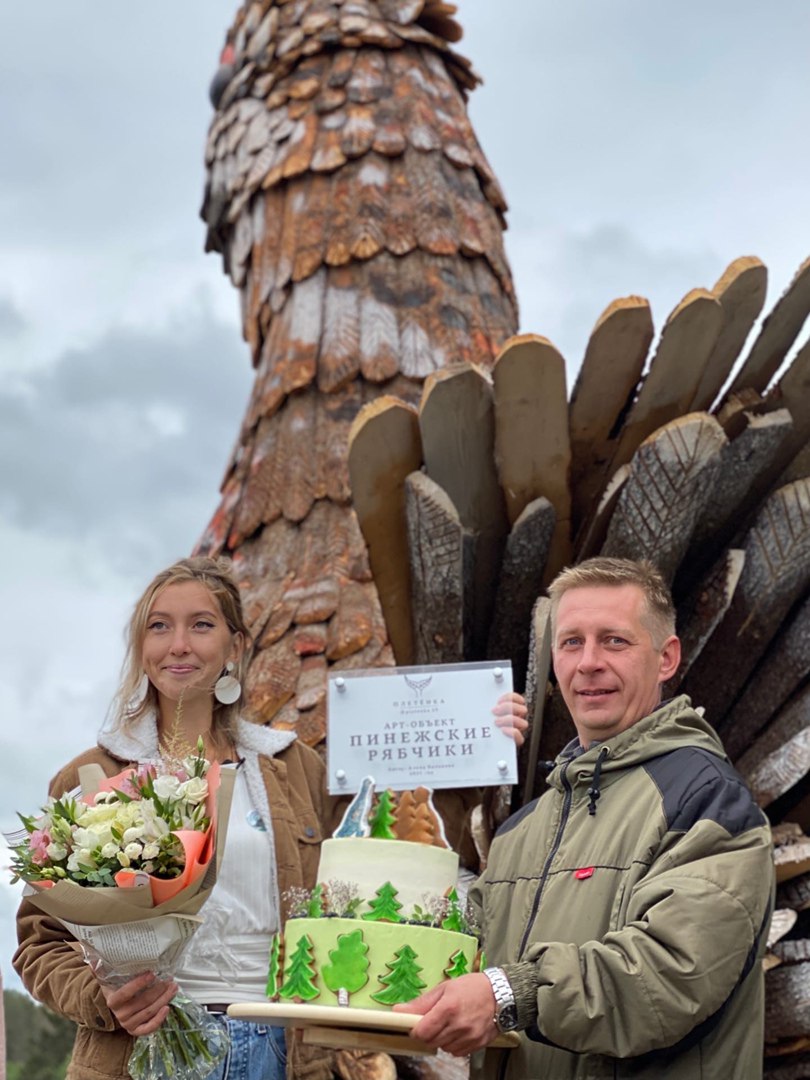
(133, 857)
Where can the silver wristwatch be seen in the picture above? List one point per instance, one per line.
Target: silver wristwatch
(505, 1009)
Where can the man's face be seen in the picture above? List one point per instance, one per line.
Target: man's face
(608, 669)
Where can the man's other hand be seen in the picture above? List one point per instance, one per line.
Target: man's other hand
(510, 714)
(458, 1016)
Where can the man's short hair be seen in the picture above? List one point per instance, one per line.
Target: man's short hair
(660, 613)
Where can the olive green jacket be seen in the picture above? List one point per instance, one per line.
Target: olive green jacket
(629, 907)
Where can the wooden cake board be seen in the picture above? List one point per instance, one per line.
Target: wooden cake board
(348, 1028)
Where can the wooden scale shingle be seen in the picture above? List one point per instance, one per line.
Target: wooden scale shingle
(410, 474)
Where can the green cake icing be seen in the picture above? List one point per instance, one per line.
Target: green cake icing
(383, 925)
(378, 964)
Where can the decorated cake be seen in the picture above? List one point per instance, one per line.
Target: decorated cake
(384, 923)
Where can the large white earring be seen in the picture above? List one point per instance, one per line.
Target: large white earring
(227, 688)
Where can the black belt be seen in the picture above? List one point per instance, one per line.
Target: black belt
(215, 1007)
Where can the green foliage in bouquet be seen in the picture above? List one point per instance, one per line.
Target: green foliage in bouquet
(130, 827)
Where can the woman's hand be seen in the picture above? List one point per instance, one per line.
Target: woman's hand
(510, 714)
(141, 1005)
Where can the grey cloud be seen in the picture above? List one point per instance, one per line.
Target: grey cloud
(106, 104)
(580, 272)
(12, 323)
(124, 443)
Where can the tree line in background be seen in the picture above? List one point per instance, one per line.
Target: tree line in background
(38, 1042)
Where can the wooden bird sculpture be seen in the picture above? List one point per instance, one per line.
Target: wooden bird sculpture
(358, 217)
(409, 475)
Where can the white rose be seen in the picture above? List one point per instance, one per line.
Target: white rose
(153, 826)
(133, 834)
(133, 851)
(191, 763)
(151, 851)
(56, 851)
(80, 859)
(109, 851)
(194, 790)
(166, 787)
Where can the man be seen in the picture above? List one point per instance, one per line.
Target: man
(624, 912)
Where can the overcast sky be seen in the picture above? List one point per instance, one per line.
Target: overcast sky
(641, 146)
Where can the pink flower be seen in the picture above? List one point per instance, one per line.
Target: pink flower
(132, 785)
(38, 845)
(181, 775)
(128, 787)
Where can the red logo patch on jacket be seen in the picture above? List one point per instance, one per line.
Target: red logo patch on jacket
(584, 872)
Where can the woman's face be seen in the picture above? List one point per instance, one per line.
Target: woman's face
(186, 642)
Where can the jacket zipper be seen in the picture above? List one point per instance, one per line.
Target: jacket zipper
(554, 848)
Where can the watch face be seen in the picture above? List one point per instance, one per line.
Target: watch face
(507, 1018)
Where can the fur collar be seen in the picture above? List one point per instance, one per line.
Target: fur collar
(140, 742)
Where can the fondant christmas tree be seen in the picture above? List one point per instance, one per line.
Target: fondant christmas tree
(384, 907)
(402, 981)
(315, 905)
(299, 985)
(349, 968)
(454, 919)
(458, 965)
(383, 819)
(274, 969)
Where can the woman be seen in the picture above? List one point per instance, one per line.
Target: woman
(186, 658)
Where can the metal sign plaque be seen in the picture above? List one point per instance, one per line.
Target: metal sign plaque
(419, 726)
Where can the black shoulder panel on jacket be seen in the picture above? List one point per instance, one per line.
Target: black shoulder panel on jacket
(699, 786)
(516, 818)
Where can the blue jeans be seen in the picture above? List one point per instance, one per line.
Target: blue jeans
(257, 1052)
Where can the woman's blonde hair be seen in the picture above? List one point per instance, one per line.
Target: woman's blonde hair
(215, 575)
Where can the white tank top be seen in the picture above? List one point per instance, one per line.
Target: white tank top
(226, 960)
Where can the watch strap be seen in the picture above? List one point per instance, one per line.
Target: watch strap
(505, 1008)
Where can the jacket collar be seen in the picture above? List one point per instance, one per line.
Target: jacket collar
(140, 741)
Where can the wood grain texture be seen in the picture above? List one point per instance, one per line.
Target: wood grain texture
(778, 675)
(745, 466)
(780, 756)
(775, 575)
(537, 691)
(740, 290)
(792, 392)
(787, 1002)
(605, 386)
(687, 340)
(671, 479)
(702, 611)
(778, 333)
(439, 582)
(519, 585)
(532, 446)
(384, 448)
(459, 458)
